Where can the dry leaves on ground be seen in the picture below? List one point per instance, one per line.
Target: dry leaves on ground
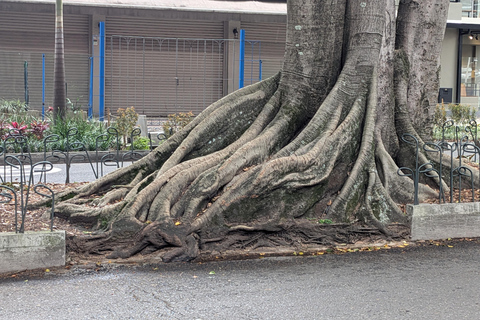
(38, 219)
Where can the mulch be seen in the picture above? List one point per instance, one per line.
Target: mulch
(39, 219)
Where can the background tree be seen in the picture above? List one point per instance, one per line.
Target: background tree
(320, 139)
(59, 90)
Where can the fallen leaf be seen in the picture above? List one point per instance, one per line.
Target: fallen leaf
(211, 272)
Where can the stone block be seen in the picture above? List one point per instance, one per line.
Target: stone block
(442, 221)
(31, 250)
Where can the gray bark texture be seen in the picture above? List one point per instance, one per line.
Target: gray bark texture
(320, 140)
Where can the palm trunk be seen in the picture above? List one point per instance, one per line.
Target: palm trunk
(59, 89)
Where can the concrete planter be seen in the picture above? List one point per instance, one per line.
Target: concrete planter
(31, 250)
(442, 221)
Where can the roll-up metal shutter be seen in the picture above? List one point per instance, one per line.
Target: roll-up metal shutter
(26, 37)
(162, 67)
(265, 42)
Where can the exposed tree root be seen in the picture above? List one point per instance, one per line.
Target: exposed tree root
(301, 235)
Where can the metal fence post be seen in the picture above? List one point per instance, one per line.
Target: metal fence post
(90, 91)
(102, 72)
(43, 86)
(242, 59)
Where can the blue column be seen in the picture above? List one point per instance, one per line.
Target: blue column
(242, 59)
(101, 106)
(259, 70)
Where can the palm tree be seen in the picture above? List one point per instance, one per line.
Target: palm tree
(59, 90)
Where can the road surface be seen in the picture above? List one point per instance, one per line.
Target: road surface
(421, 282)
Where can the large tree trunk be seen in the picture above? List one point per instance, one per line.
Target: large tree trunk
(318, 140)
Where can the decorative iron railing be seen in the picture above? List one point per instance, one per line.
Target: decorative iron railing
(463, 147)
(15, 153)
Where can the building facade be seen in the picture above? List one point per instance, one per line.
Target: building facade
(169, 56)
(159, 56)
(460, 73)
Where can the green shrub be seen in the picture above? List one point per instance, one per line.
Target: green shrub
(12, 106)
(125, 122)
(461, 113)
(87, 132)
(176, 122)
(440, 115)
(141, 143)
(13, 115)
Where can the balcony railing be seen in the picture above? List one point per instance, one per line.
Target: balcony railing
(469, 8)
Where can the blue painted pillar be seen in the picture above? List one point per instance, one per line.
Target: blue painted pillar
(242, 59)
(259, 70)
(101, 106)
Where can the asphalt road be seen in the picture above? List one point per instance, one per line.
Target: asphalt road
(428, 282)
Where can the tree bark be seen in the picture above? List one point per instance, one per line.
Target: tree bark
(420, 32)
(320, 140)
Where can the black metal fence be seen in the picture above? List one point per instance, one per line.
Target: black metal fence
(462, 147)
(15, 153)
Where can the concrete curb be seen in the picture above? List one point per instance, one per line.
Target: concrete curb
(442, 221)
(31, 250)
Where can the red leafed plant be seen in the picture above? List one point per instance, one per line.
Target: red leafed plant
(37, 128)
(18, 127)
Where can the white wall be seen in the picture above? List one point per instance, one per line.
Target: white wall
(448, 60)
